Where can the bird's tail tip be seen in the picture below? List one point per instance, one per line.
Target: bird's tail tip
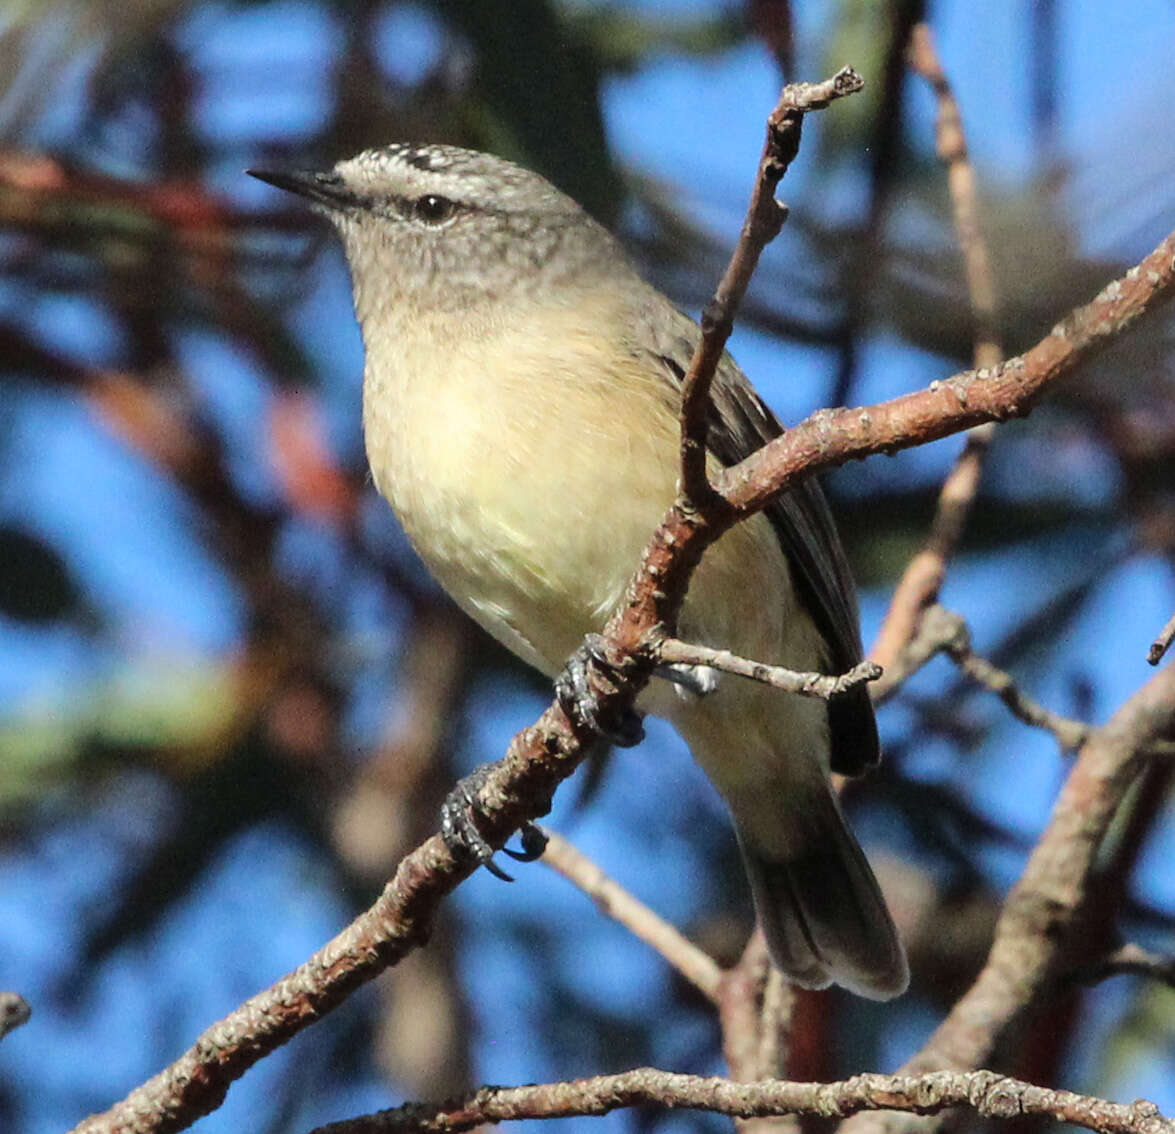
(824, 916)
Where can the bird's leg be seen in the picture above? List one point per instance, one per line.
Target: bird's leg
(462, 837)
(575, 695)
(690, 680)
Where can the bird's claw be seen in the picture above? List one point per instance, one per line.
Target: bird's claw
(534, 842)
(463, 838)
(577, 700)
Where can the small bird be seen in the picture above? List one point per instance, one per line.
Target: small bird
(520, 410)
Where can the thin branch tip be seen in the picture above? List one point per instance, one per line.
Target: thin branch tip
(816, 96)
(822, 686)
(1162, 643)
(847, 81)
(1129, 960)
(940, 630)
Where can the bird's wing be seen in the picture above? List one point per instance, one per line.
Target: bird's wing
(739, 424)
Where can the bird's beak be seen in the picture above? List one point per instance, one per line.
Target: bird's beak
(327, 189)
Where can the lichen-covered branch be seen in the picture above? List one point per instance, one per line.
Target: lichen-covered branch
(982, 1092)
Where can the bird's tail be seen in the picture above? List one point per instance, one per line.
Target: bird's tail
(821, 908)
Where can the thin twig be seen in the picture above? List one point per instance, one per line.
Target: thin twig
(773, 1032)
(955, 636)
(922, 581)
(673, 651)
(736, 990)
(752, 994)
(930, 639)
(697, 966)
(1069, 734)
(1130, 960)
(743, 1006)
(1162, 643)
(951, 147)
(984, 1092)
(765, 217)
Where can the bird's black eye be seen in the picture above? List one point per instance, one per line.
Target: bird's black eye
(433, 209)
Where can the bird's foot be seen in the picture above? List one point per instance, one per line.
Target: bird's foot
(575, 695)
(463, 838)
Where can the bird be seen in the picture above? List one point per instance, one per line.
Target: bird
(521, 397)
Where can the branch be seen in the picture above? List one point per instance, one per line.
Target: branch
(1069, 734)
(697, 966)
(775, 1024)
(833, 437)
(673, 651)
(922, 580)
(765, 217)
(929, 640)
(1044, 905)
(984, 1092)
(754, 1040)
(739, 1016)
(774, 1028)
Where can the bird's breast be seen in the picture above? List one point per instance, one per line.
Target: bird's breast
(528, 465)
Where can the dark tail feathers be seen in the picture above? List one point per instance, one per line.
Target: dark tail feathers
(823, 914)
